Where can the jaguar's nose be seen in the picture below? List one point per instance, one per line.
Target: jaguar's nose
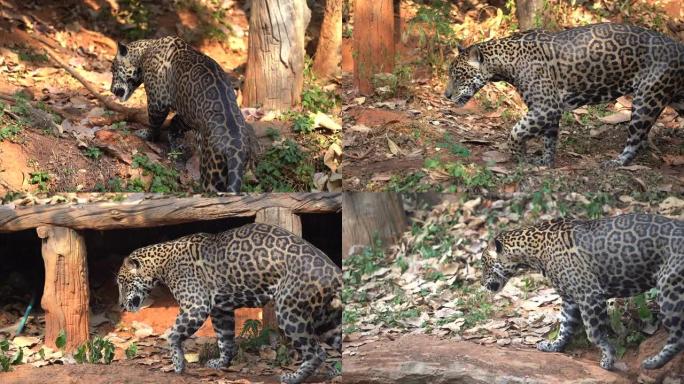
(447, 93)
(119, 92)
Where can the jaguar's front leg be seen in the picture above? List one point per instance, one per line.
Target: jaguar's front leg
(157, 115)
(223, 320)
(187, 323)
(570, 318)
(537, 122)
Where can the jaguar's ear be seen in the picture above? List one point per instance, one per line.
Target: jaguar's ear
(132, 264)
(121, 49)
(475, 56)
(460, 50)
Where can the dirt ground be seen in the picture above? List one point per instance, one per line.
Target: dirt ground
(415, 139)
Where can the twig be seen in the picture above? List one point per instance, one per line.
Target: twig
(130, 114)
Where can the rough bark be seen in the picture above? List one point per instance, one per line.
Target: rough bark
(369, 214)
(328, 55)
(285, 219)
(526, 10)
(373, 40)
(156, 212)
(275, 58)
(66, 295)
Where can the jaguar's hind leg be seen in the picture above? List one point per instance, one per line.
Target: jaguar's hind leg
(177, 144)
(671, 303)
(294, 319)
(330, 332)
(223, 165)
(187, 323)
(595, 319)
(570, 318)
(646, 108)
(223, 320)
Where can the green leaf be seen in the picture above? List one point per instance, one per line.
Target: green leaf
(5, 363)
(108, 351)
(61, 339)
(42, 353)
(4, 345)
(18, 357)
(80, 355)
(132, 350)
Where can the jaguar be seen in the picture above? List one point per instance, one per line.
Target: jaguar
(179, 78)
(590, 261)
(560, 71)
(210, 275)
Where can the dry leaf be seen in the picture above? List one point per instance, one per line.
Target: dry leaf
(495, 157)
(617, 117)
(393, 147)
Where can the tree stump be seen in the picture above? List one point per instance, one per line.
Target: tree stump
(328, 55)
(275, 57)
(373, 41)
(66, 295)
(370, 214)
(284, 218)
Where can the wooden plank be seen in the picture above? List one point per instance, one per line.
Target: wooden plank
(152, 212)
(66, 295)
(286, 219)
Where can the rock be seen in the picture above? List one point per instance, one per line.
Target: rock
(671, 372)
(428, 359)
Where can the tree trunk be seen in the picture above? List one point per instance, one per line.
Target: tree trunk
(328, 56)
(527, 10)
(286, 219)
(275, 57)
(373, 39)
(369, 214)
(66, 295)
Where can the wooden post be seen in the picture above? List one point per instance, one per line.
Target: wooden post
(373, 40)
(275, 57)
(284, 218)
(66, 295)
(370, 214)
(328, 55)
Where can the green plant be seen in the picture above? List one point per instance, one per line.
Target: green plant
(453, 147)
(436, 37)
(6, 362)
(134, 13)
(316, 99)
(41, 178)
(60, 341)
(32, 56)
(369, 260)
(164, 179)
(255, 336)
(594, 208)
(93, 152)
(131, 350)
(284, 167)
(9, 132)
(95, 351)
(411, 182)
(302, 123)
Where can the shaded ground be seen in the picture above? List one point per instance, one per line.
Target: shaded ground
(410, 138)
(89, 148)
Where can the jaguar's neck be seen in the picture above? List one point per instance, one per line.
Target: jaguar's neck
(499, 62)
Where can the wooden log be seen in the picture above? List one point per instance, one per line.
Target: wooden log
(286, 219)
(66, 295)
(327, 59)
(142, 212)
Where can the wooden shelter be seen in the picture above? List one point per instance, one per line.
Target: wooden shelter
(66, 293)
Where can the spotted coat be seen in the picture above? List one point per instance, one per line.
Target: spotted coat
(212, 275)
(177, 77)
(588, 262)
(556, 72)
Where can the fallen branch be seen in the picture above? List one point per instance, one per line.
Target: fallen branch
(129, 114)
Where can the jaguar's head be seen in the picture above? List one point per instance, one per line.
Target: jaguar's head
(501, 260)
(127, 72)
(466, 75)
(136, 278)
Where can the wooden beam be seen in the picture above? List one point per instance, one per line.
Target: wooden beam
(156, 211)
(66, 295)
(286, 219)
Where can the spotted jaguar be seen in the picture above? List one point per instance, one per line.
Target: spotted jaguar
(588, 262)
(561, 71)
(213, 274)
(178, 77)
